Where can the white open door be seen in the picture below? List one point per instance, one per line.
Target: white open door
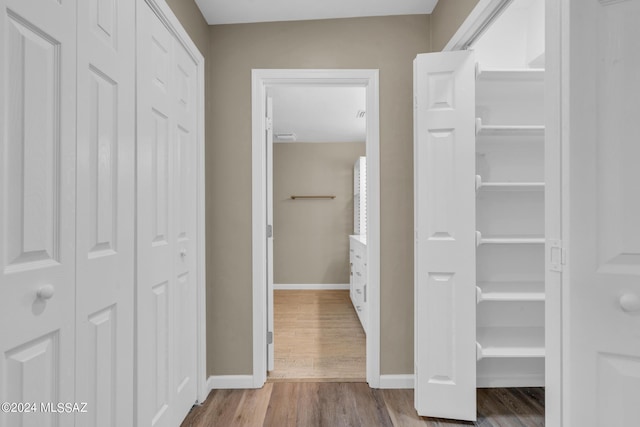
(269, 142)
(445, 245)
(602, 212)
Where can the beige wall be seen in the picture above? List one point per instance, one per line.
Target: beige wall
(311, 243)
(193, 22)
(385, 43)
(446, 18)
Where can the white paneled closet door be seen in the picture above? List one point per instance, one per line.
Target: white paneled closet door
(602, 330)
(37, 206)
(445, 245)
(166, 289)
(184, 204)
(105, 211)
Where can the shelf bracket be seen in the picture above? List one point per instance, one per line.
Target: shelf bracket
(557, 255)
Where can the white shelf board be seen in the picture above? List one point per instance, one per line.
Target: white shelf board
(510, 291)
(511, 74)
(513, 130)
(508, 130)
(509, 240)
(511, 186)
(513, 342)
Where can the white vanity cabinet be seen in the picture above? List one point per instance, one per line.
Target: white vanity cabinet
(358, 277)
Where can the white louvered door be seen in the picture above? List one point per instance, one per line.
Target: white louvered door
(105, 211)
(37, 206)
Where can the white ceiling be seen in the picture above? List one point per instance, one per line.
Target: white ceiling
(245, 11)
(319, 114)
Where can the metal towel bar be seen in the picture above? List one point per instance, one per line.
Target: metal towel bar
(312, 197)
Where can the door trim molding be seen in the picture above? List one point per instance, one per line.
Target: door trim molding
(171, 22)
(261, 79)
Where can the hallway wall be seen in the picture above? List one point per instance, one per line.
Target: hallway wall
(446, 18)
(311, 237)
(386, 43)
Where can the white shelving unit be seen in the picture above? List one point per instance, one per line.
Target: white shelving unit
(358, 243)
(360, 196)
(510, 227)
(358, 277)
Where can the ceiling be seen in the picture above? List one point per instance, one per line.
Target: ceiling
(319, 114)
(246, 11)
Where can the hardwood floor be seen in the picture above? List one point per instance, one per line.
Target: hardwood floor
(325, 404)
(318, 337)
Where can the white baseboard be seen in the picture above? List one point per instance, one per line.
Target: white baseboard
(311, 287)
(397, 381)
(229, 382)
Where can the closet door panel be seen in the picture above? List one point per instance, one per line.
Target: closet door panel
(156, 240)
(37, 206)
(445, 288)
(166, 227)
(185, 185)
(105, 274)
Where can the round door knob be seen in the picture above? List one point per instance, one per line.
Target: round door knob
(45, 292)
(630, 303)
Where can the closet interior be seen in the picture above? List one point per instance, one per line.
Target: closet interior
(510, 226)
(480, 214)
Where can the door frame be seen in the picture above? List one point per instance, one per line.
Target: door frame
(171, 22)
(261, 80)
(556, 179)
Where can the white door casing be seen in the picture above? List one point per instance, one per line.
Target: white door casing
(167, 321)
(37, 206)
(261, 81)
(601, 210)
(105, 212)
(270, 231)
(445, 245)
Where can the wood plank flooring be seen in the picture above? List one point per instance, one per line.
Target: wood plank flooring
(326, 404)
(318, 337)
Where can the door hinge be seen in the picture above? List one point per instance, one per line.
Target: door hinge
(557, 255)
(269, 231)
(268, 123)
(269, 337)
(415, 102)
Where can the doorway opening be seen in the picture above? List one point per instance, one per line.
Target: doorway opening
(275, 82)
(316, 204)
